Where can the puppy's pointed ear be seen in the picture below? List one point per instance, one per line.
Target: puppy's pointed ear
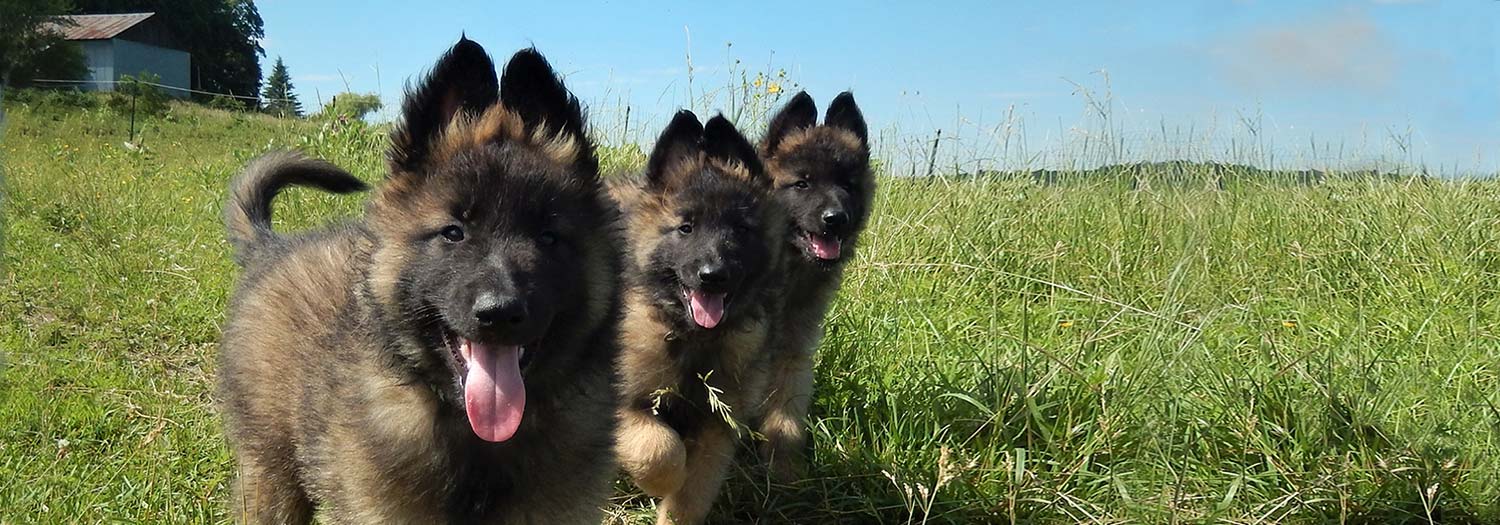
(843, 113)
(799, 113)
(532, 89)
(463, 81)
(682, 140)
(722, 141)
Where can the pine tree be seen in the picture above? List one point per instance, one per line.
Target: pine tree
(278, 96)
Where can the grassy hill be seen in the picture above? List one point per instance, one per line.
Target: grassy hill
(1006, 349)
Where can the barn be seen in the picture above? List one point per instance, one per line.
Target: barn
(129, 44)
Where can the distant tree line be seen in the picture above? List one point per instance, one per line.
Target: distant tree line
(1148, 175)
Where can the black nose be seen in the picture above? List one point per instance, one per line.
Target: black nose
(499, 311)
(835, 218)
(713, 274)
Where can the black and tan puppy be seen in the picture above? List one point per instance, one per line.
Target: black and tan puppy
(823, 179)
(448, 357)
(704, 242)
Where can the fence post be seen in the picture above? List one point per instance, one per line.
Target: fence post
(133, 93)
(932, 159)
(624, 133)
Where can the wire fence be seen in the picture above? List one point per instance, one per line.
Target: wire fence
(76, 83)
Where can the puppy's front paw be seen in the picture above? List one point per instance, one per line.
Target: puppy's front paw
(655, 458)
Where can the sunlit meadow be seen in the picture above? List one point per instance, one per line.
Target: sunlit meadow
(1057, 337)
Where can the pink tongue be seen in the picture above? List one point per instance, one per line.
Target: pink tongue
(826, 248)
(494, 395)
(708, 308)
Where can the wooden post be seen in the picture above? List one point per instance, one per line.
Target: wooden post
(932, 159)
(132, 114)
(626, 131)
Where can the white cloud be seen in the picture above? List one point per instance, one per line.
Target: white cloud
(1343, 50)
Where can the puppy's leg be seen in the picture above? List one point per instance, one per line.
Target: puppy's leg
(708, 459)
(651, 452)
(785, 412)
(266, 491)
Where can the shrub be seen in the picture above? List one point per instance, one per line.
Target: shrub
(351, 106)
(53, 98)
(140, 95)
(226, 103)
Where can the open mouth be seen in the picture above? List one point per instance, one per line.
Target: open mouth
(706, 308)
(494, 391)
(823, 246)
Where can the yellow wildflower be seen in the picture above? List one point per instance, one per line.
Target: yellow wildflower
(773, 88)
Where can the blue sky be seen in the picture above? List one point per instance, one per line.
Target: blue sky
(1293, 83)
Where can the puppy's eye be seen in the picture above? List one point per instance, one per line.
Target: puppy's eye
(548, 238)
(685, 228)
(453, 233)
(801, 185)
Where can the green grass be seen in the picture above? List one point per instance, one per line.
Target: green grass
(1002, 351)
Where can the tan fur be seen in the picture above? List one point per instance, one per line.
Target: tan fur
(499, 124)
(652, 453)
(645, 212)
(709, 455)
(686, 471)
(732, 168)
(305, 286)
(677, 173)
(796, 139)
(789, 392)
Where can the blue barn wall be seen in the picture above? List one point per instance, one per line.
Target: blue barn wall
(131, 58)
(110, 59)
(99, 56)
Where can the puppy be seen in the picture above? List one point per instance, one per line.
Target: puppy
(701, 288)
(447, 357)
(822, 178)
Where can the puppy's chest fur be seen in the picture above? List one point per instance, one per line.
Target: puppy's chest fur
(370, 433)
(384, 426)
(667, 370)
(810, 290)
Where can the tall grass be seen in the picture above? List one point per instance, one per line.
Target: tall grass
(1005, 349)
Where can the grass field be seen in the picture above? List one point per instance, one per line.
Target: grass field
(1002, 351)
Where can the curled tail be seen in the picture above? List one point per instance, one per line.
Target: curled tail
(247, 215)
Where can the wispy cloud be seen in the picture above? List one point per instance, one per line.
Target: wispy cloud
(317, 77)
(1342, 50)
(1019, 94)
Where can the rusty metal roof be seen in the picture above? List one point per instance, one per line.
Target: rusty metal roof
(100, 27)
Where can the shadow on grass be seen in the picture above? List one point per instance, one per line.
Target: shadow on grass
(843, 491)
